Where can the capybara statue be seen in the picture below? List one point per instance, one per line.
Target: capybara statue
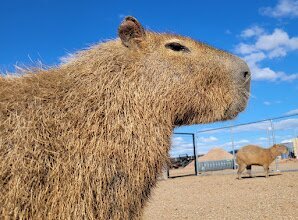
(88, 138)
(254, 155)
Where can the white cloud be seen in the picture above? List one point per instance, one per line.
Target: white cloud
(267, 46)
(259, 73)
(244, 48)
(252, 32)
(255, 57)
(263, 139)
(277, 43)
(177, 139)
(228, 145)
(284, 8)
(277, 52)
(271, 102)
(267, 103)
(181, 146)
(286, 141)
(292, 112)
(285, 124)
(243, 141)
(278, 39)
(207, 139)
(291, 123)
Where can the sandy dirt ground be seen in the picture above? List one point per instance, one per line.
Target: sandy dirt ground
(225, 197)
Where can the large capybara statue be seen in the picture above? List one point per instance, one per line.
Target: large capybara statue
(87, 139)
(255, 155)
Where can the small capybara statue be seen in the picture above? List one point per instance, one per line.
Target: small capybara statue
(255, 155)
(87, 139)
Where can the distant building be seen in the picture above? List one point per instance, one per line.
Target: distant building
(295, 147)
(292, 149)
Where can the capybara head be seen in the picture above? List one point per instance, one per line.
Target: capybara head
(280, 149)
(189, 80)
(203, 83)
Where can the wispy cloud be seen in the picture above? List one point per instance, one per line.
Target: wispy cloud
(279, 39)
(228, 145)
(181, 146)
(208, 139)
(236, 143)
(263, 46)
(252, 32)
(292, 112)
(286, 141)
(284, 8)
(285, 124)
(267, 103)
(271, 102)
(291, 123)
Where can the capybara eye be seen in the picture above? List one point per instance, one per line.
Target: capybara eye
(177, 47)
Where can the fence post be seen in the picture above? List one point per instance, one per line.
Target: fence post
(273, 141)
(233, 147)
(195, 153)
(272, 131)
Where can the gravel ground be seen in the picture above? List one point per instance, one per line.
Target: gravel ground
(225, 197)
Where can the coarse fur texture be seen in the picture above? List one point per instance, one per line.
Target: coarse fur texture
(255, 155)
(87, 139)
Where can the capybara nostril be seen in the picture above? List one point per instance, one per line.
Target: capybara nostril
(245, 74)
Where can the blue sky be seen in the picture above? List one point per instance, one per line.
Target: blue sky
(265, 33)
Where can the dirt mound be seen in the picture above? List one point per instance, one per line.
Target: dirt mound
(216, 154)
(213, 154)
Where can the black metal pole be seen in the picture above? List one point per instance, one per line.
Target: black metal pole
(194, 151)
(168, 171)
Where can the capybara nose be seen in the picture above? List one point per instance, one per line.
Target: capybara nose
(242, 73)
(246, 75)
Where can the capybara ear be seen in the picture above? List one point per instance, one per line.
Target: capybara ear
(131, 31)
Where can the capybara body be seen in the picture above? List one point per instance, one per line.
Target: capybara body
(87, 139)
(255, 155)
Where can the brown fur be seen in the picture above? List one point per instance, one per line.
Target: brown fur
(87, 139)
(255, 155)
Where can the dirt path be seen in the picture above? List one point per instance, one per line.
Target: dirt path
(224, 197)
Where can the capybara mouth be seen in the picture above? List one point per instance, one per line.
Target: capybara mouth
(230, 114)
(234, 109)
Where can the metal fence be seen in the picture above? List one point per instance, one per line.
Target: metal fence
(214, 150)
(215, 165)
